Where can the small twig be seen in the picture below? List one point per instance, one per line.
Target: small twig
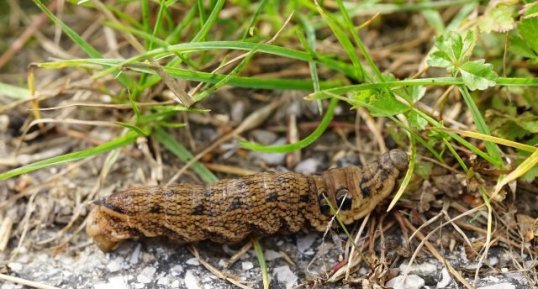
(434, 251)
(233, 170)
(230, 278)
(25, 282)
(374, 128)
(238, 255)
(252, 121)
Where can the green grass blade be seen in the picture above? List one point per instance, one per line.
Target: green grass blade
(172, 50)
(503, 81)
(300, 144)
(344, 41)
(149, 38)
(253, 18)
(480, 123)
(263, 265)
(157, 26)
(217, 7)
(187, 20)
(13, 91)
(119, 142)
(183, 154)
(85, 46)
(239, 81)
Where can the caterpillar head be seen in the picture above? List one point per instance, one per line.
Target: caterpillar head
(353, 192)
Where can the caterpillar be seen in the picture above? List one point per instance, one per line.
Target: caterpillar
(230, 210)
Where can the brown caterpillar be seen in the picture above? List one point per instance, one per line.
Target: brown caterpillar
(228, 211)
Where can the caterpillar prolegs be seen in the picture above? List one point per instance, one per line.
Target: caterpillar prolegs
(229, 210)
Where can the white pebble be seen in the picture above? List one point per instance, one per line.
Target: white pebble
(146, 275)
(193, 262)
(504, 285)
(165, 281)
(176, 270)
(446, 279)
(238, 111)
(423, 270)
(286, 276)
(493, 261)
(135, 255)
(247, 265)
(308, 166)
(117, 282)
(271, 255)
(115, 264)
(191, 282)
(305, 243)
(15, 267)
(411, 282)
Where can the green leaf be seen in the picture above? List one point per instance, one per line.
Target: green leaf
(520, 47)
(440, 59)
(529, 122)
(530, 10)
(379, 103)
(478, 75)
(415, 120)
(455, 47)
(411, 93)
(498, 18)
(528, 29)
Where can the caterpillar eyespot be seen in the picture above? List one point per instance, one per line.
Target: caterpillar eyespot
(230, 210)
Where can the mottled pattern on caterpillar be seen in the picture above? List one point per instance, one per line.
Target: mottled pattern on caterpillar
(230, 210)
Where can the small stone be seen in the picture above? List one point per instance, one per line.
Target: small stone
(308, 166)
(15, 267)
(503, 285)
(193, 262)
(410, 282)
(191, 282)
(263, 136)
(422, 270)
(446, 279)
(165, 281)
(493, 261)
(176, 270)
(115, 264)
(305, 243)
(117, 282)
(146, 275)
(174, 284)
(4, 123)
(135, 255)
(271, 255)
(238, 111)
(285, 276)
(247, 265)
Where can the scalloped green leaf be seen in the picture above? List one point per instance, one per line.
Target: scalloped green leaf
(478, 74)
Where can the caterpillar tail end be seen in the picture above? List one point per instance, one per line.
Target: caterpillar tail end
(98, 228)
